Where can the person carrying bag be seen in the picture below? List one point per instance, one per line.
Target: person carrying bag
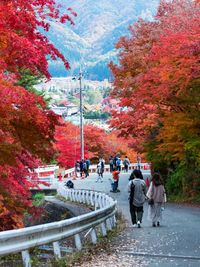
(137, 196)
(156, 198)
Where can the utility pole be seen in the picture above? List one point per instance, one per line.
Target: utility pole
(81, 116)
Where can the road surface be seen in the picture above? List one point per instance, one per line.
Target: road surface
(175, 243)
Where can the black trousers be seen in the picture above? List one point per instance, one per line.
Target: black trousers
(119, 168)
(126, 168)
(136, 213)
(111, 167)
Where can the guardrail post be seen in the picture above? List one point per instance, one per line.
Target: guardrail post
(101, 201)
(93, 236)
(108, 224)
(78, 242)
(86, 197)
(56, 250)
(114, 220)
(78, 196)
(63, 192)
(103, 229)
(91, 198)
(95, 200)
(81, 196)
(105, 201)
(70, 195)
(73, 196)
(26, 258)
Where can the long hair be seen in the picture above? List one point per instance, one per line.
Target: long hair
(156, 179)
(136, 173)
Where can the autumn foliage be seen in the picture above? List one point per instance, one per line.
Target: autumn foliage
(98, 143)
(26, 125)
(67, 144)
(22, 45)
(158, 81)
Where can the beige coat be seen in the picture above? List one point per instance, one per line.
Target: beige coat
(157, 193)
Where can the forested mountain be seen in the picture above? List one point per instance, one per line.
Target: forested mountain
(98, 26)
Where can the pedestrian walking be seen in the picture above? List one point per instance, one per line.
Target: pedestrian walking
(157, 197)
(139, 160)
(114, 161)
(137, 196)
(126, 163)
(111, 162)
(102, 165)
(100, 171)
(85, 169)
(87, 166)
(115, 182)
(118, 164)
(77, 168)
(81, 167)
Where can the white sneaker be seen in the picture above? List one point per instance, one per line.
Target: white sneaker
(138, 224)
(134, 225)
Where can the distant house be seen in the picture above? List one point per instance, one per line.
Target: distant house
(65, 109)
(95, 107)
(109, 103)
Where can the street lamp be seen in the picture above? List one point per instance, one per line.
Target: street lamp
(81, 115)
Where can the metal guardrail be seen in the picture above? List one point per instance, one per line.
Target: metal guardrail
(21, 240)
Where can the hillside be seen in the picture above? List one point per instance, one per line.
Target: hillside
(98, 26)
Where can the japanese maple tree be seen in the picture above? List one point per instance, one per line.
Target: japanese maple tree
(26, 124)
(157, 84)
(67, 144)
(97, 143)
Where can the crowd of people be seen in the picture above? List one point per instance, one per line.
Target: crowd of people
(138, 188)
(116, 163)
(82, 167)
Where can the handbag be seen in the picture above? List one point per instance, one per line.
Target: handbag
(150, 194)
(151, 201)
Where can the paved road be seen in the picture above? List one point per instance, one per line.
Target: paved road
(175, 243)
